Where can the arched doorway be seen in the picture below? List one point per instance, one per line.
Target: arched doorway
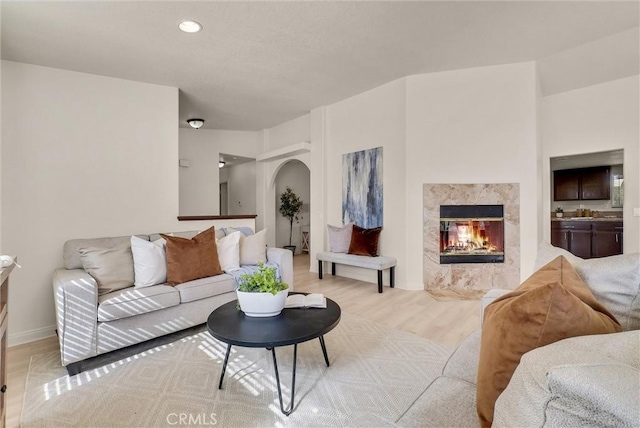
(296, 175)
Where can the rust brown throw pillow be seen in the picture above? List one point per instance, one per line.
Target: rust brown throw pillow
(553, 304)
(189, 259)
(364, 242)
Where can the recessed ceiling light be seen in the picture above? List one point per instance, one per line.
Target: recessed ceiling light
(190, 26)
(221, 164)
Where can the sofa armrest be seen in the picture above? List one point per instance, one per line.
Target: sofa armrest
(76, 301)
(284, 259)
(489, 297)
(580, 381)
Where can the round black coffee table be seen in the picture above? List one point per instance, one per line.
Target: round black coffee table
(292, 326)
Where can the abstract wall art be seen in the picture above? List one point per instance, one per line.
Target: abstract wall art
(362, 188)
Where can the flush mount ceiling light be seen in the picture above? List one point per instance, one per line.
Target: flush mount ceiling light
(190, 26)
(221, 164)
(196, 123)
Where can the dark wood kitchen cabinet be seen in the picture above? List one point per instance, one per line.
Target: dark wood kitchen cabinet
(595, 183)
(582, 184)
(566, 185)
(588, 239)
(573, 236)
(606, 239)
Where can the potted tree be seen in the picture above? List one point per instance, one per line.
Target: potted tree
(261, 294)
(290, 207)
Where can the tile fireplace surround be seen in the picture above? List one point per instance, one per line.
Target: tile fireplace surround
(470, 281)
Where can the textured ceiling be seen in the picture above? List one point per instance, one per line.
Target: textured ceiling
(258, 64)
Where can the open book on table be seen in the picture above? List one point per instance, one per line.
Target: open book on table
(309, 301)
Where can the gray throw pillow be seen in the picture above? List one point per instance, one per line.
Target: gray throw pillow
(340, 238)
(613, 280)
(112, 268)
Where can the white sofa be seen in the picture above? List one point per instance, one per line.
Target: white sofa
(581, 381)
(89, 324)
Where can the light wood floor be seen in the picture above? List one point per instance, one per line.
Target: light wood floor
(446, 323)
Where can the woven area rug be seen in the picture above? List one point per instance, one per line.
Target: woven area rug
(375, 375)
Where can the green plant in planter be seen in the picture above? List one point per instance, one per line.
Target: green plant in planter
(262, 281)
(290, 207)
(559, 210)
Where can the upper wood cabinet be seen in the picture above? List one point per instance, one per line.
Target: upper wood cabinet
(566, 185)
(582, 184)
(595, 183)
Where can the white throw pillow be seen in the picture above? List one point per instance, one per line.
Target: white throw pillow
(229, 251)
(340, 238)
(149, 262)
(253, 248)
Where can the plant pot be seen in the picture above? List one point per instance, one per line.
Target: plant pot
(290, 247)
(559, 215)
(262, 304)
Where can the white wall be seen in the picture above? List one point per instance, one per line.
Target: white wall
(472, 126)
(372, 119)
(466, 126)
(595, 119)
(200, 182)
(241, 187)
(280, 136)
(80, 161)
(295, 175)
(287, 133)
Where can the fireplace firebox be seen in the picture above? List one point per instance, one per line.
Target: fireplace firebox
(471, 234)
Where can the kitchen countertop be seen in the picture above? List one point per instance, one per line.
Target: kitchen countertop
(612, 219)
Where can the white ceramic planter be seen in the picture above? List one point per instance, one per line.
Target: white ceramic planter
(559, 215)
(262, 304)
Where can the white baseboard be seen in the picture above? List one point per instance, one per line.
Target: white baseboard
(31, 335)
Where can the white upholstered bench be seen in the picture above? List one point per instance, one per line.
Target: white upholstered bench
(378, 263)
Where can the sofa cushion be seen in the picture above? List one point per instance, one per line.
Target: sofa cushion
(553, 304)
(590, 381)
(253, 248)
(189, 259)
(463, 362)
(149, 262)
(112, 268)
(229, 251)
(71, 253)
(364, 242)
(447, 402)
(205, 287)
(614, 281)
(135, 301)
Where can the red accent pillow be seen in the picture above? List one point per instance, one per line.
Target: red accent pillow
(364, 242)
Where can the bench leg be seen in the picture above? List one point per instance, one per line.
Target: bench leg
(379, 281)
(392, 277)
(333, 269)
(319, 269)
